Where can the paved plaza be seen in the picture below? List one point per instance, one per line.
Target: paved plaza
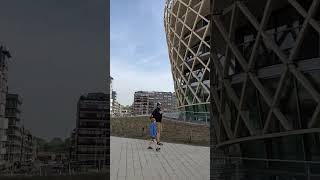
(131, 160)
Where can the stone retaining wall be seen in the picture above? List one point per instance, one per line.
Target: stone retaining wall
(173, 131)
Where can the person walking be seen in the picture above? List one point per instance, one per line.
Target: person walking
(157, 115)
(153, 134)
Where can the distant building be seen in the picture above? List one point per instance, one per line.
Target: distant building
(35, 149)
(111, 89)
(114, 95)
(19, 145)
(145, 102)
(14, 132)
(51, 156)
(91, 133)
(26, 145)
(142, 102)
(4, 55)
(125, 111)
(116, 107)
(72, 148)
(114, 104)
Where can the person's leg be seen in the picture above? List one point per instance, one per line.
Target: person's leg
(155, 144)
(159, 130)
(150, 144)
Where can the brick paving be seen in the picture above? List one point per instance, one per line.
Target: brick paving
(131, 160)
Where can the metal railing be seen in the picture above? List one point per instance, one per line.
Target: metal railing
(242, 168)
(185, 116)
(189, 116)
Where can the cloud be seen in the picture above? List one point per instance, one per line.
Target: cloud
(139, 55)
(155, 9)
(127, 80)
(154, 59)
(146, 60)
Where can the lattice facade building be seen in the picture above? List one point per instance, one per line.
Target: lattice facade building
(187, 25)
(265, 89)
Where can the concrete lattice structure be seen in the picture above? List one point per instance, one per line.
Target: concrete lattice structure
(187, 27)
(265, 91)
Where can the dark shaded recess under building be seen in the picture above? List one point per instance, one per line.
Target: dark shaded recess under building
(265, 89)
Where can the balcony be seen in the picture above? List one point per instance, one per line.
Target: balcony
(3, 138)
(3, 123)
(3, 151)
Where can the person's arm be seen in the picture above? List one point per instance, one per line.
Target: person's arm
(152, 115)
(160, 114)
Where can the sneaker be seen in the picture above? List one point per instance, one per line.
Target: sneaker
(158, 149)
(150, 147)
(159, 143)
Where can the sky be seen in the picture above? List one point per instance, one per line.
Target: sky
(58, 52)
(139, 57)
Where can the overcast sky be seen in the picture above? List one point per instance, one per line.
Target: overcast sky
(59, 52)
(139, 56)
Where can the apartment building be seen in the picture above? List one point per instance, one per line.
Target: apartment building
(125, 111)
(116, 109)
(14, 132)
(26, 145)
(72, 148)
(141, 103)
(111, 89)
(35, 149)
(115, 105)
(4, 56)
(91, 133)
(145, 102)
